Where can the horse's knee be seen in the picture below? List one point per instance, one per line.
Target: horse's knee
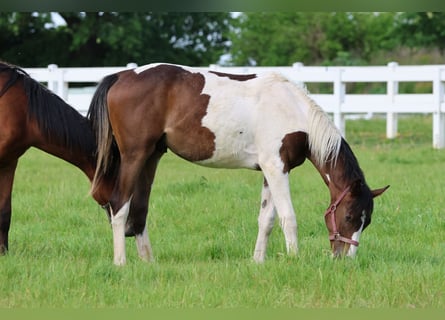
(266, 223)
(288, 223)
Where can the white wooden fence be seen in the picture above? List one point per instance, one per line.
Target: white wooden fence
(339, 103)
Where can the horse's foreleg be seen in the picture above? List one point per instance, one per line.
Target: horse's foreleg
(279, 187)
(266, 221)
(6, 181)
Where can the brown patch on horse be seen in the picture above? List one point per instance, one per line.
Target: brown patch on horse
(185, 134)
(294, 150)
(171, 100)
(237, 77)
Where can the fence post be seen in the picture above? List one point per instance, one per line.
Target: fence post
(52, 84)
(131, 65)
(438, 116)
(298, 66)
(56, 82)
(392, 88)
(339, 97)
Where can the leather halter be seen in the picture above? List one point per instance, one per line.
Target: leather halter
(335, 235)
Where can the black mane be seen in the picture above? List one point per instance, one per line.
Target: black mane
(59, 122)
(352, 170)
(353, 174)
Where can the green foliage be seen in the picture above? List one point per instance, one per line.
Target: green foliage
(421, 29)
(201, 38)
(203, 224)
(109, 38)
(327, 38)
(25, 40)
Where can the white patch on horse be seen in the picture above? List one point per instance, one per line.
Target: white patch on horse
(328, 177)
(255, 122)
(356, 236)
(118, 225)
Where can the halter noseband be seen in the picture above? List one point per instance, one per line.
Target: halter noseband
(335, 235)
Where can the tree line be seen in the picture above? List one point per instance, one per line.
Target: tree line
(203, 38)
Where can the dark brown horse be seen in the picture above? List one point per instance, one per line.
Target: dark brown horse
(260, 122)
(31, 115)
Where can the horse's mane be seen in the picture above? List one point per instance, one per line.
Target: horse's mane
(352, 170)
(324, 137)
(58, 121)
(326, 143)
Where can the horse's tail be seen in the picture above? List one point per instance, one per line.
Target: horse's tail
(107, 152)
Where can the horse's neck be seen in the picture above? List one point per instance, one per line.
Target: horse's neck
(333, 176)
(342, 172)
(81, 160)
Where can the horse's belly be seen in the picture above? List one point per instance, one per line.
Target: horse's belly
(232, 152)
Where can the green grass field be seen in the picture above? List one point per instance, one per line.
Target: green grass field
(203, 225)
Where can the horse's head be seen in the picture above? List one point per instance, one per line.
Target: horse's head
(102, 192)
(348, 216)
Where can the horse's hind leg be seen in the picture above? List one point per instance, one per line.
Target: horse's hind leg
(266, 221)
(130, 168)
(279, 187)
(6, 181)
(139, 208)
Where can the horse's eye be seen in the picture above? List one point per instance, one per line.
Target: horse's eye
(348, 217)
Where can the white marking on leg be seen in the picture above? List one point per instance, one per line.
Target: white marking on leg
(356, 236)
(266, 221)
(118, 224)
(279, 187)
(143, 246)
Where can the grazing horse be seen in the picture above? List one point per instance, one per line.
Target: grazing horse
(33, 116)
(261, 122)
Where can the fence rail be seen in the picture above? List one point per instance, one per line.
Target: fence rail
(339, 102)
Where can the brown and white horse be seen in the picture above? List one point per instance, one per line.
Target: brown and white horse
(32, 116)
(261, 122)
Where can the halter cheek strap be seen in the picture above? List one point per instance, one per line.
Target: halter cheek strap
(335, 235)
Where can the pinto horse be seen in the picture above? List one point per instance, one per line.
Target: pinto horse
(260, 122)
(33, 116)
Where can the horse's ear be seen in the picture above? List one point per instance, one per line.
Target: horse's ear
(377, 192)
